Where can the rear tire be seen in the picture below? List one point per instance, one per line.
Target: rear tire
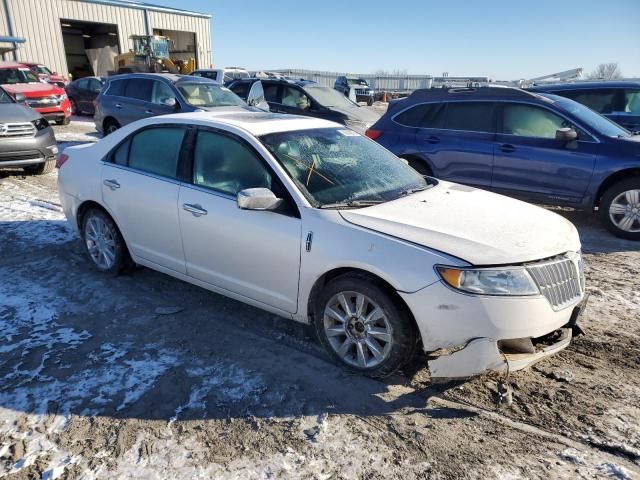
(619, 209)
(42, 168)
(103, 242)
(420, 166)
(64, 121)
(377, 336)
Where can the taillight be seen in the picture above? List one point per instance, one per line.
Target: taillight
(63, 157)
(373, 134)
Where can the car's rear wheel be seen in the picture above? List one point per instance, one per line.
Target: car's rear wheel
(362, 327)
(74, 108)
(41, 168)
(64, 121)
(110, 126)
(620, 209)
(103, 242)
(419, 166)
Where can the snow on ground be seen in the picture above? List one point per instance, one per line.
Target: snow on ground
(143, 376)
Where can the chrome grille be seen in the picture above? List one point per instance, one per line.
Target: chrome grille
(43, 102)
(559, 281)
(363, 92)
(26, 129)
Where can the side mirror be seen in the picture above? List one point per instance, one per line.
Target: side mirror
(566, 135)
(20, 98)
(258, 199)
(170, 102)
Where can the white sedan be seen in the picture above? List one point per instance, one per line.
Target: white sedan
(312, 221)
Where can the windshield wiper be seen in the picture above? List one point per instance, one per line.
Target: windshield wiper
(352, 204)
(410, 191)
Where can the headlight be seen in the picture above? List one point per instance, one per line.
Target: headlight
(62, 98)
(40, 124)
(514, 281)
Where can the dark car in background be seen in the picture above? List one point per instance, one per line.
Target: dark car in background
(309, 99)
(26, 139)
(362, 92)
(130, 97)
(43, 72)
(536, 146)
(82, 94)
(616, 100)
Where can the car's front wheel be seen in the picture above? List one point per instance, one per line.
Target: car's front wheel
(363, 327)
(103, 242)
(620, 209)
(110, 126)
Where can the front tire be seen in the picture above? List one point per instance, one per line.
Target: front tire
(620, 209)
(42, 168)
(362, 327)
(110, 126)
(103, 242)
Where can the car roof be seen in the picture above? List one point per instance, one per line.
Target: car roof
(11, 65)
(172, 77)
(586, 85)
(471, 93)
(255, 123)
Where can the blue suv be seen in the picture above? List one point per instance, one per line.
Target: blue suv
(536, 146)
(616, 100)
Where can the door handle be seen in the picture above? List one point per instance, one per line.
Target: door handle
(433, 139)
(112, 184)
(507, 148)
(149, 112)
(196, 209)
(118, 105)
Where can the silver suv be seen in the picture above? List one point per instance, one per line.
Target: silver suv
(26, 139)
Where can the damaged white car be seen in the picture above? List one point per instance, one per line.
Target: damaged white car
(312, 221)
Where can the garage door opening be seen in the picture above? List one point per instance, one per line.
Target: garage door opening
(89, 47)
(182, 45)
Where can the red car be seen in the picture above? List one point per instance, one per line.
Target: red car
(47, 75)
(49, 100)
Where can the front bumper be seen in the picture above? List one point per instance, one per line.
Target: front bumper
(475, 333)
(57, 112)
(24, 151)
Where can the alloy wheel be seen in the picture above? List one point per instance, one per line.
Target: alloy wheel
(101, 242)
(624, 211)
(358, 330)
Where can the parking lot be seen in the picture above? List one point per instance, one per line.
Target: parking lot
(145, 376)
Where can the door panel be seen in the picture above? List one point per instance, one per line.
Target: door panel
(529, 162)
(252, 253)
(145, 209)
(461, 147)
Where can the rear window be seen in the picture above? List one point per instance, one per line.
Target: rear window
(116, 88)
(469, 116)
(140, 89)
(426, 115)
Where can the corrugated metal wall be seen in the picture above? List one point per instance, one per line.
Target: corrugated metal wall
(39, 22)
(377, 82)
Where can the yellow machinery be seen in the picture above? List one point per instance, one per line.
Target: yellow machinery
(151, 54)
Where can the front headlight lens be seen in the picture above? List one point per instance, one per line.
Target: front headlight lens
(498, 281)
(62, 98)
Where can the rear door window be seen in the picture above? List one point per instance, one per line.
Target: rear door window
(272, 92)
(117, 88)
(600, 100)
(139, 88)
(426, 115)
(469, 116)
(156, 150)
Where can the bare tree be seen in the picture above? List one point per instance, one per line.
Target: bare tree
(606, 71)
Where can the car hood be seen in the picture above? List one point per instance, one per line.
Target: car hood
(239, 108)
(15, 113)
(32, 89)
(474, 225)
(358, 114)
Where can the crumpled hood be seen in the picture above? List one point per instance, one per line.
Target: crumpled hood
(477, 226)
(357, 113)
(16, 113)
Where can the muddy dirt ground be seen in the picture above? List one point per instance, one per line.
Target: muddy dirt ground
(144, 376)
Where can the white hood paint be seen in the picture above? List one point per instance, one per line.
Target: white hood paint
(480, 227)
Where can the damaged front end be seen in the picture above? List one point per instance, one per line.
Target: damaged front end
(480, 355)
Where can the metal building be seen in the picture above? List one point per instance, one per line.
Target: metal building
(59, 33)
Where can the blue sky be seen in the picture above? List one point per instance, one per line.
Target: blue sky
(504, 39)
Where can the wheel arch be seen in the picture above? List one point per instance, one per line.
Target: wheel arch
(342, 271)
(107, 120)
(412, 158)
(612, 179)
(87, 205)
